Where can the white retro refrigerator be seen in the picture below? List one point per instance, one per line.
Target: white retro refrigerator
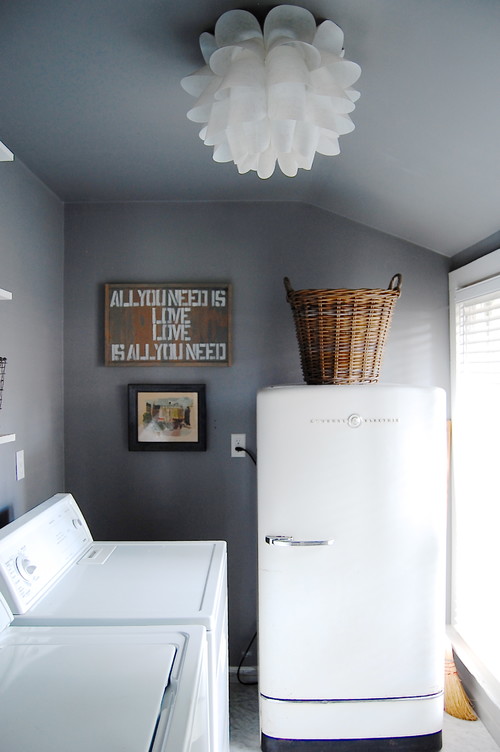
(351, 538)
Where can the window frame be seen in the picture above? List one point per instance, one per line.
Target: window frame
(479, 273)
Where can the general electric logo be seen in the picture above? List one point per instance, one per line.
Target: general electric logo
(354, 420)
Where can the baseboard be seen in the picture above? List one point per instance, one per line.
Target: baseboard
(481, 687)
(249, 672)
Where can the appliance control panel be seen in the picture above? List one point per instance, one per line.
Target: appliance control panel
(38, 548)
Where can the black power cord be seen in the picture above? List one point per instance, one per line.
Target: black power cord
(238, 673)
(247, 451)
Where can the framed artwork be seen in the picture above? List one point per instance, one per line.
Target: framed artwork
(169, 324)
(166, 417)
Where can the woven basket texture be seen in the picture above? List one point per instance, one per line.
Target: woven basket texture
(342, 333)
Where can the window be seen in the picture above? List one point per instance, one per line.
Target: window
(475, 367)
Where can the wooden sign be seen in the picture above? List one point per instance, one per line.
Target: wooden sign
(167, 324)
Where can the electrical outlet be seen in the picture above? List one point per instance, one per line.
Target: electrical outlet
(238, 440)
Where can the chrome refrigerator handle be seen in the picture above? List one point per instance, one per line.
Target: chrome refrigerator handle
(287, 540)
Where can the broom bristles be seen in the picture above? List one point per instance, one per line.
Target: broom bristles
(456, 702)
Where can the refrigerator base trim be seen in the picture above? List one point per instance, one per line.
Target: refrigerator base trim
(370, 719)
(426, 743)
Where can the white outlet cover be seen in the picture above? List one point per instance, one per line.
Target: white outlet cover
(20, 464)
(238, 440)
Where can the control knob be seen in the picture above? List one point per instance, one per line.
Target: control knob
(25, 567)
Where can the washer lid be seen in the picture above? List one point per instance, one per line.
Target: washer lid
(137, 583)
(90, 695)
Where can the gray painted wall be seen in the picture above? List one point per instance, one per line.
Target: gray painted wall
(191, 495)
(485, 246)
(31, 337)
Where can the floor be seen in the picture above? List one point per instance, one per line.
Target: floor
(458, 736)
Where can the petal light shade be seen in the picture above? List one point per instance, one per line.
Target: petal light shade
(277, 94)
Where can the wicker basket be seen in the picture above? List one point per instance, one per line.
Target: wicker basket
(342, 333)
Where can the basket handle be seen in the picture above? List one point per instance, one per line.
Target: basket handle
(288, 288)
(396, 282)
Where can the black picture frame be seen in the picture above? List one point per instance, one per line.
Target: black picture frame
(167, 418)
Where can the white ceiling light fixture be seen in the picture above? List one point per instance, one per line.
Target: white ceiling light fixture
(280, 94)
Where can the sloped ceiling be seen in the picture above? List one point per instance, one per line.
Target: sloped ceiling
(90, 101)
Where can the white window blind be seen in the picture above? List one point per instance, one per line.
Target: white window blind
(475, 317)
(478, 337)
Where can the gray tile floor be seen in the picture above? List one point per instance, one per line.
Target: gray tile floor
(458, 736)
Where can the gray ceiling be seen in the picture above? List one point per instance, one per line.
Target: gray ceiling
(90, 101)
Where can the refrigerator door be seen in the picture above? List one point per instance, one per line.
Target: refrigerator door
(351, 514)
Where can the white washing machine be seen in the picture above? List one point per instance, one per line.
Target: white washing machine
(52, 572)
(105, 689)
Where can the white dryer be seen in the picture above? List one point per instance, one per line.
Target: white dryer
(105, 689)
(52, 572)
